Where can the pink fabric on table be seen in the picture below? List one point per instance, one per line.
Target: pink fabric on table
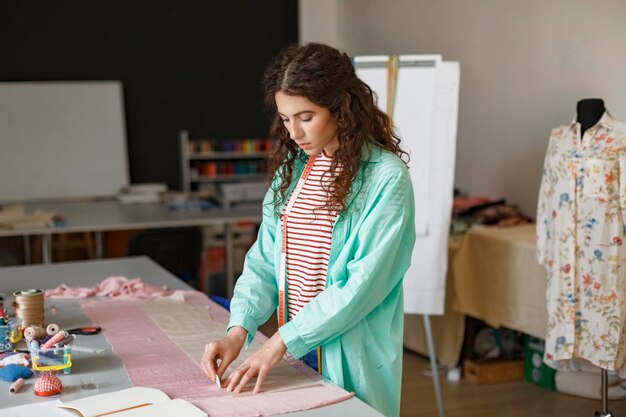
(274, 402)
(114, 286)
(153, 360)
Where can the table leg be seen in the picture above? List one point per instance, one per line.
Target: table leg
(27, 258)
(46, 248)
(230, 274)
(99, 251)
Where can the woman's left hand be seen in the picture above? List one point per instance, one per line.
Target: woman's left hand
(259, 364)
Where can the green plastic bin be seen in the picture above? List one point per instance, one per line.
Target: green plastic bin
(535, 370)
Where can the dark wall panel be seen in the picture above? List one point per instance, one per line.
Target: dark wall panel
(187, 64)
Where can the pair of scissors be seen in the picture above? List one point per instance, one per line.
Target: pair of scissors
(87, 330)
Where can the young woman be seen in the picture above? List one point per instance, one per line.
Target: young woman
(336, 236)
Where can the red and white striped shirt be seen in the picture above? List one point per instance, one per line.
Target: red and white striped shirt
(309, 232)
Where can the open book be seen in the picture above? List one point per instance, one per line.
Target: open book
(133, 402)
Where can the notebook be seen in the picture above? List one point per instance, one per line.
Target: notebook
(133, 402)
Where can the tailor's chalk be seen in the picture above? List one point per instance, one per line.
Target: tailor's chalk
(33, 345)
(86, 349)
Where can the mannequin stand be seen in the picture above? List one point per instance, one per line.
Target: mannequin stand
(605, 398)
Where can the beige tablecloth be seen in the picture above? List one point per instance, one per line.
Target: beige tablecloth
(492, 276)
(498, 280)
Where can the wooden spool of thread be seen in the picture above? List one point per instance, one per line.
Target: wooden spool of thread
(52, 329)
(34, 333)
(28, 306)
(16, 386)
(55, 339)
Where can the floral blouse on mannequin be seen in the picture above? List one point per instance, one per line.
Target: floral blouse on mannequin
(580, 233)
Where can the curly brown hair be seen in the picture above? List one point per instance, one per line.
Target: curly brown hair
(326, 77)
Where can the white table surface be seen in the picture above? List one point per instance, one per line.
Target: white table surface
(106, 215)
(106, 368)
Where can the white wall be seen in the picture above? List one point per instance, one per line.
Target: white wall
(318, 21)
(524, 65)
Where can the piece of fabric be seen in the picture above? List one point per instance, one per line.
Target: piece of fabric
(358, 318)
(159, 345)
(12, 373)
(16, 359)
(190, 328)
(580, 232)
(115, 286)
(309, 233)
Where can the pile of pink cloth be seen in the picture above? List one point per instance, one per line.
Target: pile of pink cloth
(120, 287)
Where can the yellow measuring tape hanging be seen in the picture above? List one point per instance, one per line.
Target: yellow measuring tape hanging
(393, 65)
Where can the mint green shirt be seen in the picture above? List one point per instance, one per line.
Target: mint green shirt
(358, 318)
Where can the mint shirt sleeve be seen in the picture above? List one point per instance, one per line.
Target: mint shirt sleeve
(381, 255)
(255, 296)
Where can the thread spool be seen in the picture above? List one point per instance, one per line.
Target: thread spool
(34, 333)
(52, 329)
(29, 307)
(16, 386)
(55, 339)
(69, 339)
(33, 346)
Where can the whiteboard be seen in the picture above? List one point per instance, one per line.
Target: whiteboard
(61, 140)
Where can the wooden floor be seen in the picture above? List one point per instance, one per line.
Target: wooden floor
(465, 399)
(511, 399)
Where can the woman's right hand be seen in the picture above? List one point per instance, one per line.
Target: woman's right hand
(226, 350)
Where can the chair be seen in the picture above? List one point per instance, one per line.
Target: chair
(177, 250)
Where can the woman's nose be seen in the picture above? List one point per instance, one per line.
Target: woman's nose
(295, 132)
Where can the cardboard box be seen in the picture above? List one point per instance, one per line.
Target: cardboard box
(492, 371)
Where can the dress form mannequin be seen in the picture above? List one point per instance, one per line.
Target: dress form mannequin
(588, 113)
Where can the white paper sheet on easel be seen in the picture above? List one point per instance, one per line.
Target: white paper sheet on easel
(425, 116)
(412, 116)
(425, 281)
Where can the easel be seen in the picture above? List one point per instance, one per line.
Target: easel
(420, 94)
(432, 356)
